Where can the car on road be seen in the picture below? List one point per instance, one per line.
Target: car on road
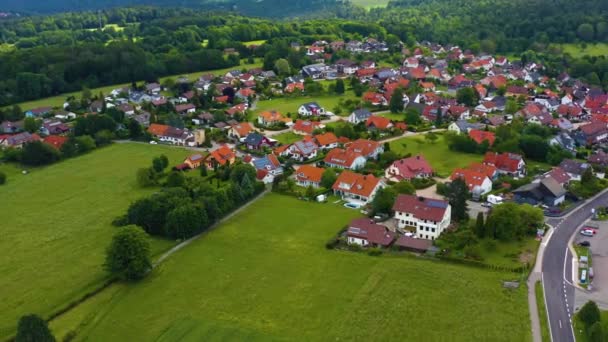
(486, 205)
(587, 232)
(152, 142)
(584, 244)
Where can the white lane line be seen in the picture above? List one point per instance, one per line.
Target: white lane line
(542, 279)
(560, 323)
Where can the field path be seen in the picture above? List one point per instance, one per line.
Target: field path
(185, 243)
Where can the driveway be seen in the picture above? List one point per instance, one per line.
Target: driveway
(599, 254)
(475, 208)
(431, 192)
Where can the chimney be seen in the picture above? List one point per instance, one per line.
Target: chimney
(418, 157)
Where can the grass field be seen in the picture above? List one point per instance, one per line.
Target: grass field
(287, 137)
(510, 254)
(254, 42)
(370, 3)
(577, 51)
(542, 312)
(437, 154)
(291, 104)
(393, 116)
(266, 275)
(55, 226)
(579, 327)
(57, 101)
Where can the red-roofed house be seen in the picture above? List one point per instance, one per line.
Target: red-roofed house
(375, 99)
(364, 232)
(326, 140)
(506, 163)
(306, 127)
(367, 148)
(560, 176)
(378, 122)
(220, 156)
(474, 180)
(430, 217)
(308, 175)
(480, 136)
(408, 168)
(356, 187)
(55, 140)
(344, 159)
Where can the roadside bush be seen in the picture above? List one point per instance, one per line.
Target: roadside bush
(2, 178)
(423, 183)
(589, 314)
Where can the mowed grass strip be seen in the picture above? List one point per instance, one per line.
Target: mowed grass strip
(292, 104)
(265, 274)
(56, 224)
(437, 153)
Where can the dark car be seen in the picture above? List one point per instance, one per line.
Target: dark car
(584, 243)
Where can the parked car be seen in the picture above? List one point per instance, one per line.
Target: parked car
(584, 244)
(587, 232)
(152, 142)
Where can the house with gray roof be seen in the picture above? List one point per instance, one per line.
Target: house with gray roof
(359, 115)
(463, 126)
(547, 191)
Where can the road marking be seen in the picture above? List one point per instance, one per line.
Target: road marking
(565, 259)
(542, 280)
(560, 323)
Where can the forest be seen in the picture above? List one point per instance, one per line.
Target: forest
(44, 55)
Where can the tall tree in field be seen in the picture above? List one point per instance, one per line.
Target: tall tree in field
(340, 86)
(128, 255)
(458, 193)
(396, 103)
(480, 227)
(32, 328)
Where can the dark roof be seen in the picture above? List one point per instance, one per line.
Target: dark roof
(574, 167)
(413, 244)
(364, 228)
(421, 207)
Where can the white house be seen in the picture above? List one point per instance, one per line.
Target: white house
(311, 109)
(355, 187)
(429, 217)
(476, 181)
(359, 115)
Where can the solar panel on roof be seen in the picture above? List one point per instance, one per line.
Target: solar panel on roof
(355, 230)
(437, 204)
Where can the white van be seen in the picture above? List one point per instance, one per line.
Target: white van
(494, 200)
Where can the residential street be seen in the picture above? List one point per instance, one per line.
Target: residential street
(557, 269)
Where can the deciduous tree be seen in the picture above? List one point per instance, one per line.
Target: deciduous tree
(128, 256)
(32, 328)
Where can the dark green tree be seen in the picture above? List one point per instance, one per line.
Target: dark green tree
(175, 179)
(589, 314)
(37, 153)
(340, 86)
(145, 177)
(185, 221)
(328, 178)
(384, 200)
(128, 256)
(480, 227)
(32, 328)
(457, 195)
(396, 103)
(467, 96)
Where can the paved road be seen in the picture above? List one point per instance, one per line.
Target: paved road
(557, 269)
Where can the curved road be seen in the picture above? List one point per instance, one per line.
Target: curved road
(557, 269)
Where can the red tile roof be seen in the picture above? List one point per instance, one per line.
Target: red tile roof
(355, 183)
(378, 122)
(306, 126)
(412, 167)
(309, 173)
(504, 161)
(338, 156)
(479, 136)
(326, 139)
(55, 140)
(471, 177)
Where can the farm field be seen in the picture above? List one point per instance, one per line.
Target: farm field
(56, 224)
(57, 101)
(437, 154)
(266, 275)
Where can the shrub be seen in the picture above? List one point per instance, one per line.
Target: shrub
(473, 252)
(374, 251)
(2, 178)
(422, 183)
(589, 314)
(120, 221)
(33, 328)
(332, 243)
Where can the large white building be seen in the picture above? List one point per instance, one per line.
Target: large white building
(429, 217)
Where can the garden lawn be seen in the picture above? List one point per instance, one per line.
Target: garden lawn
(56, 225)
(266, 275)
(291, 104)
(59, 100)
(287, 137)
(441, 158)
(509, 254)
